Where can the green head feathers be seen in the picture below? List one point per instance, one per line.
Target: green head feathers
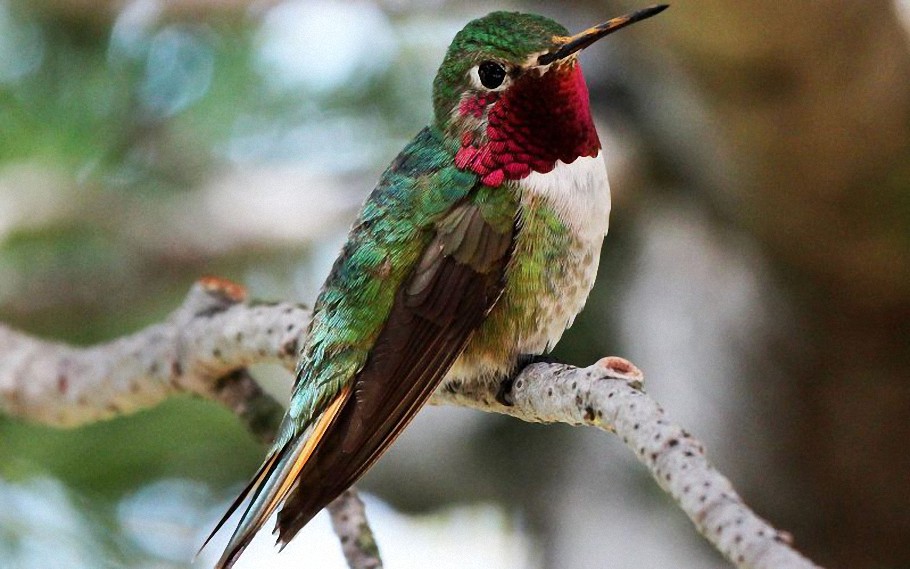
(509, 37)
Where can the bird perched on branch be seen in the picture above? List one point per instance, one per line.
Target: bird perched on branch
(478, 246)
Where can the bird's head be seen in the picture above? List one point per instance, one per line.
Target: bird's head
(511, 97)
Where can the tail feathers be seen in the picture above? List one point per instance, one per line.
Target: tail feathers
(253, 487)
(264, 489)
(272, 483)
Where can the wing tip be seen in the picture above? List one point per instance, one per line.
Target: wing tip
(232, 552)
(253, 487)
(275, 478)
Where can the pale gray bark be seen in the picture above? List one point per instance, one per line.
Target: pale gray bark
(350, 523)
(206, 344)
(212, 334)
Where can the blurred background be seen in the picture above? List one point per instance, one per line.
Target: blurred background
(757, 269)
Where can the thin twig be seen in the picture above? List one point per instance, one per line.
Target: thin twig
(350, 524)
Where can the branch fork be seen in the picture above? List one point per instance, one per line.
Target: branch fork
(205, 346)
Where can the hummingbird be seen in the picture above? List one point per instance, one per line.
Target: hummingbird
(477, 248)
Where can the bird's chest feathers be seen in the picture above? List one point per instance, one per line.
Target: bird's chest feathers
(577, 194)
(564, 216)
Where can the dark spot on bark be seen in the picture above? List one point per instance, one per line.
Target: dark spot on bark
(632, 407)
(269, 331)
(657, 437)
(239, 336)
(290, 347)
(669, 476)
(578, 401)
(210, 311)
(740, 559)
(176, 368)
(686, 489)
(707, 484)
(653, 457)
(761, 533)
(719, 528)
(216, 353)
(153, 369)
(635, 426)
(290, 327)
(672, 443)
(703, 498)
(589, 413)
(641, 451)
(574, 385)
(63, 383)
(611, 394)
(738, 538)
(550, 392)
(345, 539)
(689, 454)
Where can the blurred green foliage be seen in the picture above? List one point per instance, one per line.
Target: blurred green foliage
(183, 438)
(105, 125)
(142, 109)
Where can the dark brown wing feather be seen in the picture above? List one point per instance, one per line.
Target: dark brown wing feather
(454, 286)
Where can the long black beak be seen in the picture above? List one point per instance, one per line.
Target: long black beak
(568, 46)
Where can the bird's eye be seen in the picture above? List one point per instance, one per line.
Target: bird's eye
(491, 74)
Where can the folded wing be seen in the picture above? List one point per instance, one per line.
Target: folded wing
(452, 288)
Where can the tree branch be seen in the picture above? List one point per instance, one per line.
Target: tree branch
(352, 528)
(212, 334)
(206, 344)
(608, 395)
(202, 348)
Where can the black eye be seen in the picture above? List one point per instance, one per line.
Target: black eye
(491, 74)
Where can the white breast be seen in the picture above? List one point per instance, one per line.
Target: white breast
(579, 193)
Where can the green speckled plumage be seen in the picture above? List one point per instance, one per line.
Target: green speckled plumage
(537, 273)
(470, 252)
(395, 227)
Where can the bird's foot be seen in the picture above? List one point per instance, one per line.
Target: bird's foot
(504, 394)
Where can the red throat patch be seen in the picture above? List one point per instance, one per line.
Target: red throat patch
(536, 122)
